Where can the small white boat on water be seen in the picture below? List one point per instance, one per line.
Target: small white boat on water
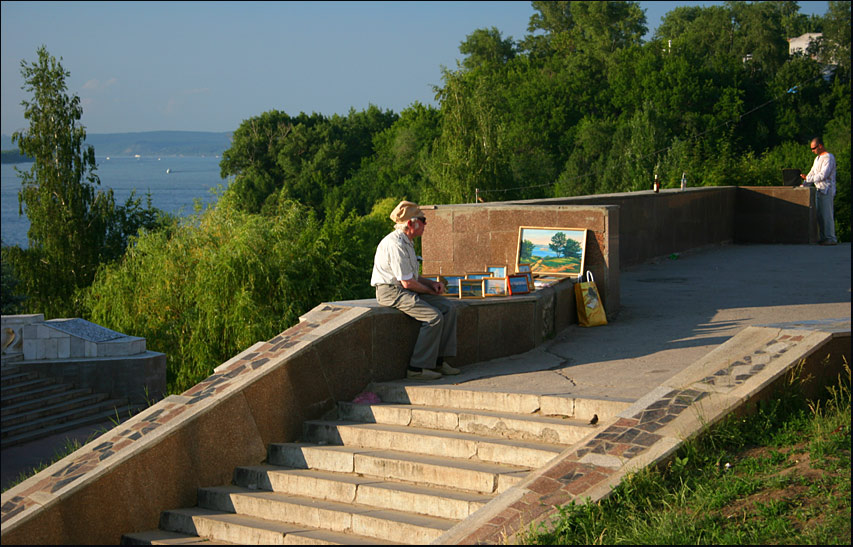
(168, 171)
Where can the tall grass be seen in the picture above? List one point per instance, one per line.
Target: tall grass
(779, 475)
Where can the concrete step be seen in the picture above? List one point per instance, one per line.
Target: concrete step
(432, 442)
(11, 378)
(365, 490)
(34, 389)
(389, 525)
(162, 537)
(15, 416)
(528, 427)
(99, 407)
(581, 409)
(435, 471)
(46, 400)
(100, 417)
(249, 530)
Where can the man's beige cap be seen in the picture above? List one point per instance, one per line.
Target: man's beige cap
(404, 211)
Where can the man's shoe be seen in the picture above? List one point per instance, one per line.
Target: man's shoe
(423, 374)
(827, 242)
(447, 370)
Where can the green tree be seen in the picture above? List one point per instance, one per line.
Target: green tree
(564, 246)
(74, 227)
(486, 46)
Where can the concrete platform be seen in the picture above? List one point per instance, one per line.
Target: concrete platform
(674, 311)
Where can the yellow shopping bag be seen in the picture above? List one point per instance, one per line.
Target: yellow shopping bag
(590, 308)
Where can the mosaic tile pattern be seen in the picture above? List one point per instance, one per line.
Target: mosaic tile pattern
(167, 410)
(749, 365)
(623, 440)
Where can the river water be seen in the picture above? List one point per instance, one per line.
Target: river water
(188, 179)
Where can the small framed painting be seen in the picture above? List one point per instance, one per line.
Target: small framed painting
(438, 278)
(452, 284)
(478, 275)
(494, 286)
(522, 267)
(497, 271)
(529, 276)
(471, 288)
(552, 251)
(517, 284)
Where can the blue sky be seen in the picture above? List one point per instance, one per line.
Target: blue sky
(207, 66)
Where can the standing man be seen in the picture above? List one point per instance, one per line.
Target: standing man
(398, 285)
(822, 176)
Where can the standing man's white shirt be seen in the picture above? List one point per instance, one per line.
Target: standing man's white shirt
(395, 260)
(822, 174)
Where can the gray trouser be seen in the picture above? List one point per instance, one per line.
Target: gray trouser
(437, 337)
(825, 218)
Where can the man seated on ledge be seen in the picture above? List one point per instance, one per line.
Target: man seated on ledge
(822, 177)
(398, 285)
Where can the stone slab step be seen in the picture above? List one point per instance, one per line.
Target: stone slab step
(581, 409)
(16, 377)
(370, 491)
(46, 400)
(162, 537)
(528, 427)
(100, 417)
(432, 442)
(249, 530)
(15, 396)
(18, 416)
(437, 471)
(68, 415)
(389, 525)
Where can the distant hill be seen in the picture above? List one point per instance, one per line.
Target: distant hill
(151, 143)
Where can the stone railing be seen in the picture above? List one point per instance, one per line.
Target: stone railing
(121, 481)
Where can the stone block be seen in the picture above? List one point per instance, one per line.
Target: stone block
(30, 332)
(64, 348)
(474, 220)
(275, 403)
(592, 218)
(313, 397)
(392, 338)
(470, 251)
(78, 347)
(509, 219)
(51, 348)
(31, 347)
(90, 349)
(467, 338)
(345, 358)
(503, 249)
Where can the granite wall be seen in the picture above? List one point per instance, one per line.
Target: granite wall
(121, 481)
(465, 238)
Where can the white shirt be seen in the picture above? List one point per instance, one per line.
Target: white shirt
(395, 260)
(823, 173)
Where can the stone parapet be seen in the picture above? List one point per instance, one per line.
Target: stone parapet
(465, 238)
(159, 458)
(745, 370)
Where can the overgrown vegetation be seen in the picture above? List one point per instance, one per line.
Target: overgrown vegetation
(580, 105)
(778, 476)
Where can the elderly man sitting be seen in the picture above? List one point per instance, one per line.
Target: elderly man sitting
(398, 285)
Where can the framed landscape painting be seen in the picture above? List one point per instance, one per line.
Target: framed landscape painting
(518, 284)
(552, 251)
(494, 286)
(452, 284)
(497, 271)
(471, 288)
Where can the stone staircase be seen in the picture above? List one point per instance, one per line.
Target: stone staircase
(402, 471)
(34, 406)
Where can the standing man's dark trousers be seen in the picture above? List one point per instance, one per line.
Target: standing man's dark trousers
(437, 337)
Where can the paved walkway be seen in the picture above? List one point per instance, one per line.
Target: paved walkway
(673, 312)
